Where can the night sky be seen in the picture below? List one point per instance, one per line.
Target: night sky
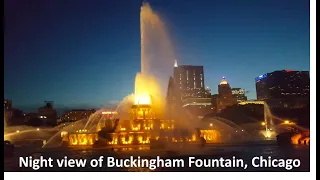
(86, 53)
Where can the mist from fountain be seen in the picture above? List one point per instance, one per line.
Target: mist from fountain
(55, 140)
(157, 55)
(270, 131)
(94, 120)
(157, 59)
(228, 129)
(20, 133)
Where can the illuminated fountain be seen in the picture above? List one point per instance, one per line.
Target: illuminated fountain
(270, 131)
(27, 135)
(82, 132)
(140, 117)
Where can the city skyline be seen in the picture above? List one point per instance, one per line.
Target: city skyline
(276, 38)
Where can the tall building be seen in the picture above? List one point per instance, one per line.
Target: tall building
(186, 91)
(173, 97)
(208, 92)
(13, 116)
(214, 102)
(48, 114)
(189, 80)
(7, 104)
(224, 97)
(286, 88)
(76, 114)
(224, 88)
(239, 94)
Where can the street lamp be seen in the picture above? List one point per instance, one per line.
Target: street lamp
(263, 123)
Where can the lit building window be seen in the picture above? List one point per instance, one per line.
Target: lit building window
(187, 75)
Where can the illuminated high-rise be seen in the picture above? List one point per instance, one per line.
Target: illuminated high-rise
(224, 98)
(286, 88)
(186, 89)
(239, 94)
(189, 80)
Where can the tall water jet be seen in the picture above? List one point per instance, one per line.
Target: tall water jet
(148, 92)
(268, 121)
(140, 117)
(157, 57)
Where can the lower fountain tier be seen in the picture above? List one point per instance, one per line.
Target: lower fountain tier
(142, 137)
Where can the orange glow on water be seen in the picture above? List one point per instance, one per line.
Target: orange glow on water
(295, 139)
(268, 134)
(301, 139)
(306, 140)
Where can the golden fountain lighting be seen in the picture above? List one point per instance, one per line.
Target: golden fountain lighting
(287, 122)
(17, 131)
(82, 139)
(143, 98)
(108, 112)
(301, 138)
(268, 134)
(147, 114)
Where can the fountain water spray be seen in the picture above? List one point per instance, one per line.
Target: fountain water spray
(157, 59)
(269, 124)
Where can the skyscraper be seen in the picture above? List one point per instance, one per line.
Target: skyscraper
(239, 94)
(285, 88)
(189, 80)
(224, 88)
(48, 114)
(186, 89)
(224, 97)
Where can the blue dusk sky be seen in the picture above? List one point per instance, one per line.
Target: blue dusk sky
(87, 53)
